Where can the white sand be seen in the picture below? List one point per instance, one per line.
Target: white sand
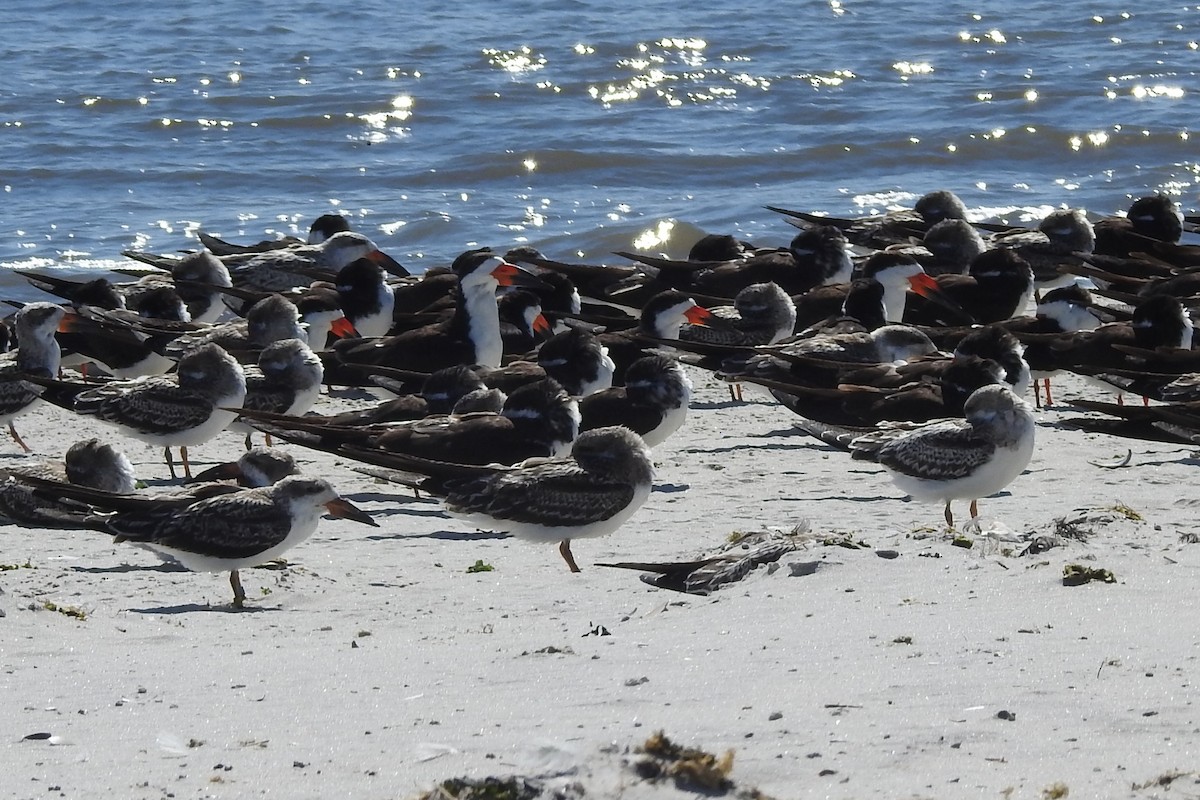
(377, 666)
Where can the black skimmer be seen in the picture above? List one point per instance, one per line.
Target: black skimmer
(223, 533)
(280, 270)
(470, 336)
(322, 316)
(113, 341)
(358, 301)
(871, 395)
(1062, 238)
(957, 459)
(269, 320)
(195, 277)
(90, 463)
(286, 380)
(198, 277)
(1159, 323)
(537, 420)
(1064, 310)
(947, 248)
(578, 360)
(187, 407)
(522, 325)
(815, 257)
(896, 272)
(99, 292)
(560, 298)
(762, 313)
(417, 295)
(998, 285)
(894, 227)
(575, 358)
(996, 343)
(439, 394)
(1173, 423)
(719, 247)
(366, 298)
(653, 403)
(37, 354)
(861, 311)
(659, 324)
(258, 466)
(592, 492)
(791, 360)
(321, 229)
(1150, 219)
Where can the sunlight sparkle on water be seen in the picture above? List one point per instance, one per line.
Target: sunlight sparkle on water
(400, 111)
(909, 68)
(517, 61)
(658, 235)
(1143, 92)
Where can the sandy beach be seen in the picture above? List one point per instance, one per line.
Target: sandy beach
(878, 658)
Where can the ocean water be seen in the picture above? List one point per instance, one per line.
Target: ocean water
(580, 128)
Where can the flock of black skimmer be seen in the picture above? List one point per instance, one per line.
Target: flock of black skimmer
(527, 392)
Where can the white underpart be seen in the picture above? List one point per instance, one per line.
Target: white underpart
(479, 293)
(844, 271)
(217, 422)
(673, 419)
(998, 472)
(1069, 316)
(379, 322)
(604, 375)
(319, 323)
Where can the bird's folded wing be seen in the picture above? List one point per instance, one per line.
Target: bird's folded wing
(225, 527)
(943, 451)
(551, 494)
(155, 407)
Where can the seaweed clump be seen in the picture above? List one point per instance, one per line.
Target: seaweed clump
(492, 788)
(689, 767)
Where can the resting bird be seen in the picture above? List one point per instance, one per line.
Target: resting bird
(230, 531)
(187, 407)
(88, 463)
(955, 459)
(37, 354)
(592, 492)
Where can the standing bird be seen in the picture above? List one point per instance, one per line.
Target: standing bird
(956, 459)
(227, 532)
(287, 380)
(37, 354)
(592, 492)
(187, 407)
